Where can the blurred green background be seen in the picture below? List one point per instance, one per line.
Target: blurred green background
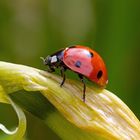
(33, 28)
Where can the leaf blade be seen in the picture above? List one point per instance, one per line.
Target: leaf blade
(103, 113)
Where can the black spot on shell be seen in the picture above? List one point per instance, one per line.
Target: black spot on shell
(99, 75)
(78, 64)
(90, 54)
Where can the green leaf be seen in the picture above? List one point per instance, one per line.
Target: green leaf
(102, 115)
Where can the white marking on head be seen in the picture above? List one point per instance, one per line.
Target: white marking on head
(54, 59)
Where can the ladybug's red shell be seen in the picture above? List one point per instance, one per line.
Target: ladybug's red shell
(86, 62)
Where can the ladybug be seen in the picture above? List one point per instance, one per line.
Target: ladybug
(83, 61)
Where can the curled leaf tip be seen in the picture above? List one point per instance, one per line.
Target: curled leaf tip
(5, 130)
(19, 131)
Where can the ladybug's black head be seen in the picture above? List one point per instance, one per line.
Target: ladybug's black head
(49, 60)
(54, 59)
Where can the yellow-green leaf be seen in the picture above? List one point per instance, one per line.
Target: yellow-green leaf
(103, 113)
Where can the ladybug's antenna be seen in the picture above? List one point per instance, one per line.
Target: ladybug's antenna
(42, 58)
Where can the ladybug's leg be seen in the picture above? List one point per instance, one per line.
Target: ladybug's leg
(84, 89)
(50, 69)
(62, 70)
